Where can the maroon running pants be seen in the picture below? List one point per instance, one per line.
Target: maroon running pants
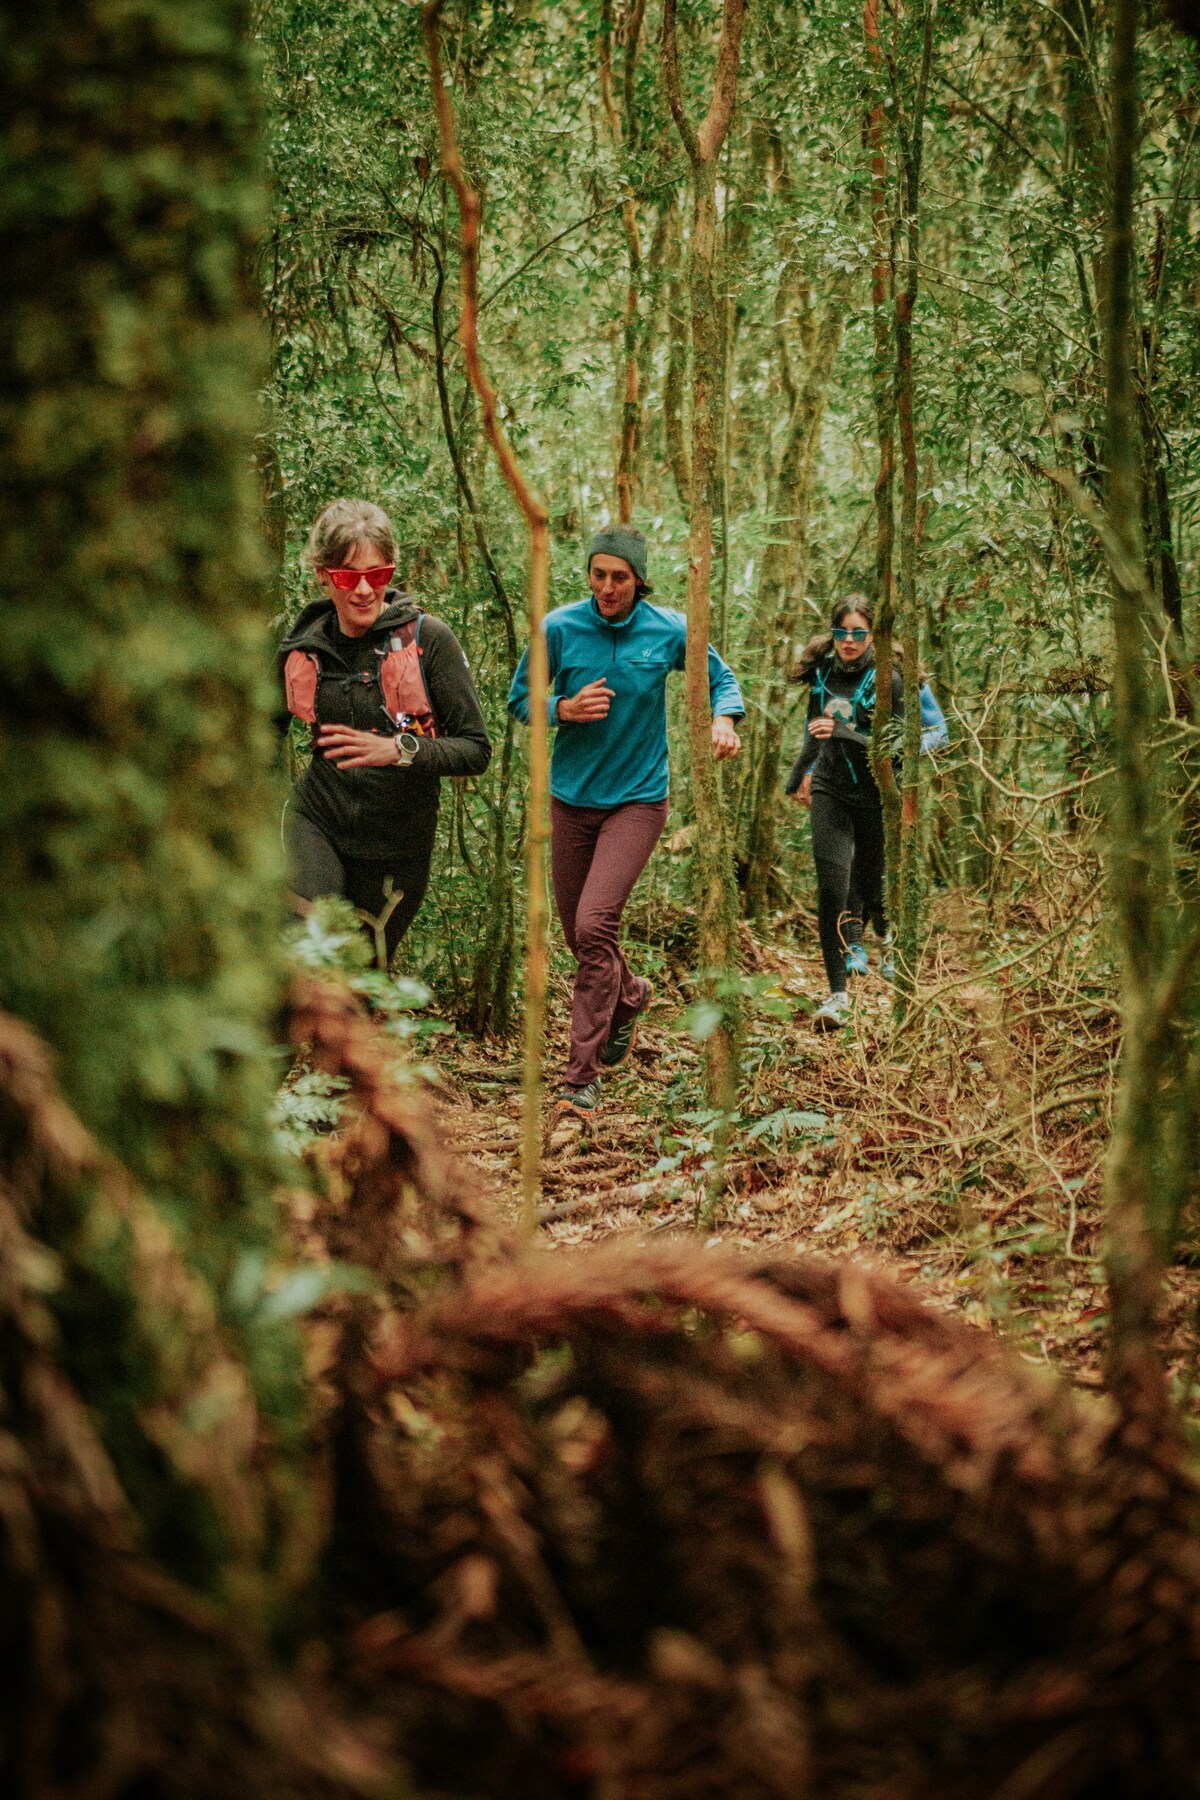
(596, 855)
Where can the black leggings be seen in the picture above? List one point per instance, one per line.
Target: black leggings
(847, 840)
(317, 869)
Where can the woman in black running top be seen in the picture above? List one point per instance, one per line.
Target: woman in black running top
(387, 691)
(833, 776)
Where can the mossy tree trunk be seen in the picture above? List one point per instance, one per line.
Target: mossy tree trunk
(883, 282)
(622, 124)
(1139, 852)
(910, 886)
(140, 882)
(716, 905)
(140, 894)
(784, 568)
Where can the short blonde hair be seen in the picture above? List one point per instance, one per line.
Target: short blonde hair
(343, 525)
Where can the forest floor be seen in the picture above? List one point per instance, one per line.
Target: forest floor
(961, 1151)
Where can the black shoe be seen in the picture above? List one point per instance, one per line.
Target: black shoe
(621, 1038)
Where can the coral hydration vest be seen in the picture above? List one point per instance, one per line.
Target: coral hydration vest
(398, 674)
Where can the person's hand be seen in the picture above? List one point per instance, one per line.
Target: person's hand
(725, 740)
(803, 793)
(822, 727)
(350, 749)
(590, 703)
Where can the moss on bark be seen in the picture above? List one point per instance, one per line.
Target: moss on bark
(140, 881)
(139, 878)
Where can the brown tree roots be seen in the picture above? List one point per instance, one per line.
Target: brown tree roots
(621, 1524)
(120, 1681)
(664, 1523)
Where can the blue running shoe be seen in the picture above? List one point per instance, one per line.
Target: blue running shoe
(856, 960)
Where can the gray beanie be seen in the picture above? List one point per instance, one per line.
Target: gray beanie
(625, 542)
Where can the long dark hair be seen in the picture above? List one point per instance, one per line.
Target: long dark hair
(819, 647)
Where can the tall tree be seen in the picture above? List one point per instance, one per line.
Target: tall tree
(622, 124)
(537, 522)
(1155, 976)
(883, 390)
(910, 125)
(140, 895)
(140, 891)
(714, 874)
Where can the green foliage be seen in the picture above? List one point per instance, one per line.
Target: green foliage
(786, 1123)
(307, 1104)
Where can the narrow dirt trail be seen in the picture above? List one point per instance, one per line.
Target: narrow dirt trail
(962, 1154)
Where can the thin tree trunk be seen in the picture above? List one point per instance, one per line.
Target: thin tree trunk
(740, 204)
(631, 404)
(654, 288)
(675, 382)
(784, 576)
(1139, 874)
(716, 906)
(883, 274)
(911, 884)
(538, 525)
(491, 975)
(1162, 567)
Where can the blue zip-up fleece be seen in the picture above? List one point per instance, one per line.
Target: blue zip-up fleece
(621, 758)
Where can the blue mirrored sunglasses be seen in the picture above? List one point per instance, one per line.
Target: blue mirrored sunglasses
(859, 636)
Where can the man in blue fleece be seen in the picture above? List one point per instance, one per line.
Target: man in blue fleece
(609, 661)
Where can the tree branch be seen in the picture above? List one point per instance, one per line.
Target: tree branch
(673, 85)
(704, 146)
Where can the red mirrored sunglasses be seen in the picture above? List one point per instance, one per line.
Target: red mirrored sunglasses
(346, 580)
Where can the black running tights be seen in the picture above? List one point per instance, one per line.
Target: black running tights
(317, 869)
(847, 839)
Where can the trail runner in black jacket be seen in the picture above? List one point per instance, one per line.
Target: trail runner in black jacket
(388, 693)
(833, 775)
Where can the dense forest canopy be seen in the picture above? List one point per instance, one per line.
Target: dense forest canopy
(568, 135)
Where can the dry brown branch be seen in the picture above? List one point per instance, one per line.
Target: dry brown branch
(736, 1444)
(398, 1199)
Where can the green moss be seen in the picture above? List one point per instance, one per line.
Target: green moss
(140, 870)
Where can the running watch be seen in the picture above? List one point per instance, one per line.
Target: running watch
(406, 745)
